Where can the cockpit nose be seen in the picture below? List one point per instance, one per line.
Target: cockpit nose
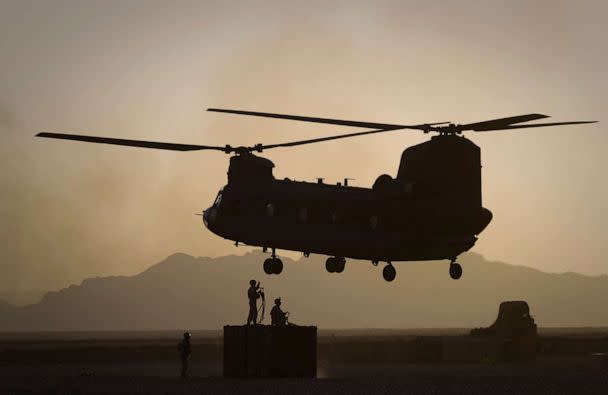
(209, 216)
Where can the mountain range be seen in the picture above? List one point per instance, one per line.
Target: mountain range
(185, 292)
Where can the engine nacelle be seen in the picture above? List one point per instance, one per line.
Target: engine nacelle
(386, 186)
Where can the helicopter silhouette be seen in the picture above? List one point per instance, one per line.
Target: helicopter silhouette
(432, 209)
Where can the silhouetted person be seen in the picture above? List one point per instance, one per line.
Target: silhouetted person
(277, 316)
(253, 294)
(185, 350)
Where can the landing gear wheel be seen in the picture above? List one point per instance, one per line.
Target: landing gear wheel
(389, 273)
(277, 266)
(330, 265)
(268, 266)
(455, 270)
(339, 265)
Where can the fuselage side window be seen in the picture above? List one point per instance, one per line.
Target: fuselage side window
(270, 210)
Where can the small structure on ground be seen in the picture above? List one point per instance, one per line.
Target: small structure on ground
(511, 338)
(514, 332)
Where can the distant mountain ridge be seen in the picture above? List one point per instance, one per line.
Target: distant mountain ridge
(206, 293)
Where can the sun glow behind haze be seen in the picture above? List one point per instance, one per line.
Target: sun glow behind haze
(147, 70)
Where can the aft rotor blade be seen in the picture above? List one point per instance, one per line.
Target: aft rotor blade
(538, 125)
(330, 121)
(494, 123)
(320, 139)
(131, 143)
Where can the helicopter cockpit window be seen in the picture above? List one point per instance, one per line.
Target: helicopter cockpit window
(218, 199)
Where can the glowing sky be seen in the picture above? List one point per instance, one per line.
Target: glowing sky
(148, 69)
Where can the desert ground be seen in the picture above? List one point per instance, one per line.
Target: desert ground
(349, 362)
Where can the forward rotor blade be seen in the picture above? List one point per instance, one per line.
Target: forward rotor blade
(494, 123)
(330, 121)
(131, 143)
(538, 125)
(336, 137)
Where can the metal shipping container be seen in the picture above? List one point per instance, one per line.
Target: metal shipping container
(270, 351)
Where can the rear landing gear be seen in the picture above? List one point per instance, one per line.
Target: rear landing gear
(335, 264)
(455, 270)
(268, 266)
(389, 273)
(273, 265)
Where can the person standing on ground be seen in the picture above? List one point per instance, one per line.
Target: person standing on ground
(185, 350)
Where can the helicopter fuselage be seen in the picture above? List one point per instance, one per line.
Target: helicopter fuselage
(431, 210)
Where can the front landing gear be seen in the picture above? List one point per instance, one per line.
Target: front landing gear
(335, 264)
(273, 265)
(389, 273)
(455, 270)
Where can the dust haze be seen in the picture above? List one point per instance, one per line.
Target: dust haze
(147, 70)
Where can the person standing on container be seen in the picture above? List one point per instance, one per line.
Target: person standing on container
(253, 294)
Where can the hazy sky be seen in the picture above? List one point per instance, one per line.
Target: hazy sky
(148, 69)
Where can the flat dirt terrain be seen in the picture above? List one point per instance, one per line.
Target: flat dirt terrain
(351, 379)
(350, 362)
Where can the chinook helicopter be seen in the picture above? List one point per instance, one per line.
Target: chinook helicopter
(432, 209)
